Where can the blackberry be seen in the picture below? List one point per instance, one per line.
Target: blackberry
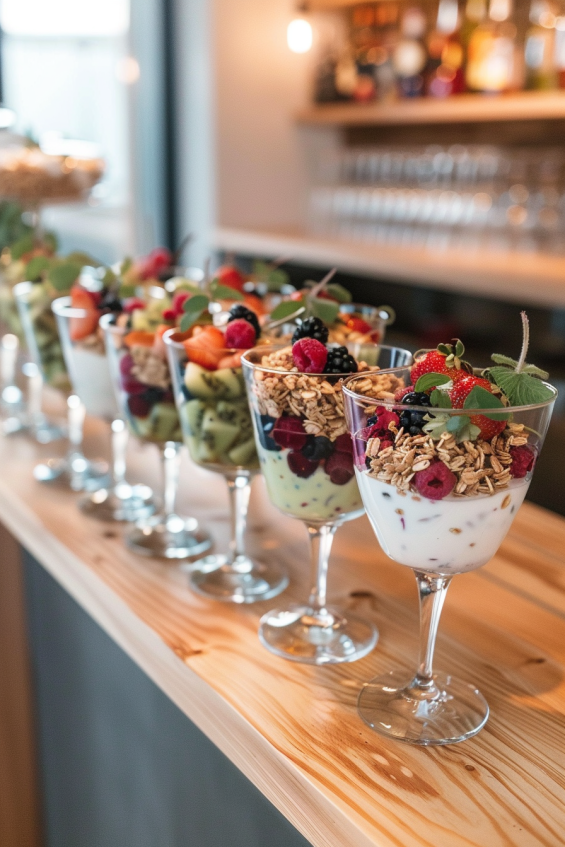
(238, 312)
(317, 448)
(311, 328)
(340, 362)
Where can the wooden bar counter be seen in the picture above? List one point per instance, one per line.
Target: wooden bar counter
(293, 730)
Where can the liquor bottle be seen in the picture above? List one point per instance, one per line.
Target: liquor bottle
(444, 70)
(493, 59)
(410, 56)
(539, 52)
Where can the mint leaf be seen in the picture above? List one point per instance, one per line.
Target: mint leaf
(188, 320)
(532, 369)
(198, 303)
(469, 432)
(522, 389)
(277, 279)
(339, 293)
(126, 291)
(224, 292)
(36, 266)
(430, 380)
(504, 360)
(436, 425)
(480, 398)
(64, 275)
(22, 246)
(457, 422)
(286, 309)
(323, 309)
(440, 399)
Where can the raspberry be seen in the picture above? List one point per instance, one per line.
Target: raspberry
(138, 406)
(400, 392)
(240, 311)
(309, 356)
(435, 482)
(343, 444)
(240, 334)
(523, 460)
(133, 303)
(300, 465)
(289, 432)
(488, 427)
(179, 300)
(311, 328)
(339, 467)
(169, 315)
(126, 364)
(131, 385)
(383, 419)
(432, 362)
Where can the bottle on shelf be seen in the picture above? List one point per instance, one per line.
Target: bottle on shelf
(539, 50)
(494, 62)
(410, 56)
(444, 69)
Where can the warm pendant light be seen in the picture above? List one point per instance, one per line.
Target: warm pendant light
(299, 35)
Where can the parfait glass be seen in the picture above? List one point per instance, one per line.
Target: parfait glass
(89, 371)
(142, 383)
(440, 503)
(306, 459)
(44, 347)
(218, 432)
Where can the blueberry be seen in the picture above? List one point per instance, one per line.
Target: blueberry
(266, 424)
(153, 395)
(405, 419)
(415, 430)
(187, 393)
(317, 448)
(372, 420)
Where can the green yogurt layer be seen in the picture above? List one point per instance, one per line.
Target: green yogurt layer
(316, 498)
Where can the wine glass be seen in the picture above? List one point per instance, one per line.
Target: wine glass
(441, 507)
(218, 432)
(89, 371)
(306, 459)
(142, 382)
(44, 347)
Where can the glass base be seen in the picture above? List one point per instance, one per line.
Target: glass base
(121, 502)
(303, 635)
(397, 708)
(44, 432)
(171, 537)
(243, 581)
(76, 473)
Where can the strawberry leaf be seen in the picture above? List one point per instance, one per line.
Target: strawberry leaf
(430, 380)
(36, 266)
(196, 304)
(64, 275)
(440, 399)
(326, 310)
(339, 293)
(224, 292)
(457, 422)
(522, 389)
(286, 309)
(188, 320)
(480, 398)
(504, 360)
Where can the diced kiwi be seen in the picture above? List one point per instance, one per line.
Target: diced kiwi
(164, 421)
(231, 383)
(192, 414)
(218, 433)
(194, 379)
(243, 453)
(235, 413)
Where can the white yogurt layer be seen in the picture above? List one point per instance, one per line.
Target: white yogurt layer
(92, 382)
(446, 536)
(316, 498)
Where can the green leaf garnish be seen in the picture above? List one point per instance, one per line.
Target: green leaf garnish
(196, 304)
(430, 380)
(458, 425)
(326, 310)
(440, 399)
(127, 291)
(456, 422)
(520, 382)
(224, 292)
(64, 275)
(480, 398)
(286, 309)
(22, 246)
(36, 266)
(339, 293)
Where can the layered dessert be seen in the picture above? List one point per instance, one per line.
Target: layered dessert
(304, 446)
(17, 263)
(213, 407)
(31, 176)
(441, 487)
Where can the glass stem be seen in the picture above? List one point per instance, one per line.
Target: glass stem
(34, 395)
(120, 437)
(239, 489)
(171, 471)
(431, 590)
(75, 417)
(321, 540)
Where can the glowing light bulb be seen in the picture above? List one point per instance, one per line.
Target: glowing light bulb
(299, 36)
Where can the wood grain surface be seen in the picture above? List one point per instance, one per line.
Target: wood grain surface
(294, 730)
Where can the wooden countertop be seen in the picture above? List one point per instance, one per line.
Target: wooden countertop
(525, 278)
(293, 730)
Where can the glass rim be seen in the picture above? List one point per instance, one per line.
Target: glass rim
(62, 308)
(397, 405)
(20, 289)
(274, 347)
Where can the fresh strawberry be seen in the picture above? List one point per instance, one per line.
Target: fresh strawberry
(87, 323)
(431, 362)
(155, 263)
(133, 303)
(463, 387)
(230, 276)
(357, 325)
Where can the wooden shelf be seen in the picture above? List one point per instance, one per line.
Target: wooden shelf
(524, 278)
(464, 108)
(293, 729)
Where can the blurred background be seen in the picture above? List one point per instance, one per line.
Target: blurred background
(414, 144)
